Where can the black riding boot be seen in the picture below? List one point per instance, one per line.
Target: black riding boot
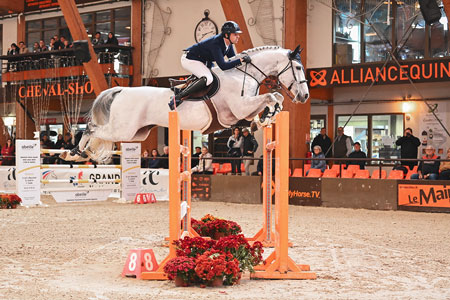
(194, 87)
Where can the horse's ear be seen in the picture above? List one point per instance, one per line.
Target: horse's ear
(297, 49)
(293, 54)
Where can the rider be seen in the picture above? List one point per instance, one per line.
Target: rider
(199, 58)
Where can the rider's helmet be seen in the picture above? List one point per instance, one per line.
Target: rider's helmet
(230, 27)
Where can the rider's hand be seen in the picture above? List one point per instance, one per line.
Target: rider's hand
(246, 59)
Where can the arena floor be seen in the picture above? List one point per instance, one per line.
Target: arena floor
(77, 251)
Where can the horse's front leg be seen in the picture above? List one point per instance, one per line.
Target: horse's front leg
(252, 106)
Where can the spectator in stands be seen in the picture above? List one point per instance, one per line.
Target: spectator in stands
(408, 147)
(36, 47)
(59, 142)
(67, 144)
(318, 164)
(67, 44)
(144, 159)
(57, 45)
(357, 153)
(235, 144)
(13, 50)
(342, 145)
(112, 40)
(260, 166)
(205, 164)
(22, 48)
(444, 168)
(8, 153)
(195, 156)
(47, 142)
(97, 40)
(165, 160)
(154, 162)
(324, 142)
(250, 145)
(51, 46)
(429, 168)
(42, 46)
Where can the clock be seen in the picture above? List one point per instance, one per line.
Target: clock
(205, 28)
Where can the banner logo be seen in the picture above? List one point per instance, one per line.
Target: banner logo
(318, 78)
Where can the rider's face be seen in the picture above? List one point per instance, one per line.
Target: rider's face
(234, 37)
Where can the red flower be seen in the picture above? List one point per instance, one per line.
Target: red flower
(182, 266)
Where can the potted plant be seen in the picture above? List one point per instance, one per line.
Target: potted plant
(4, 201)
(219, 228)
(212, 267)
(248, 256)
(193, 247)
(14, 200)
(181, 270)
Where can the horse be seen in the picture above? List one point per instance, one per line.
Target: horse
(129, 113)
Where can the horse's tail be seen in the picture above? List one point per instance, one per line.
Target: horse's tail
(99, 113)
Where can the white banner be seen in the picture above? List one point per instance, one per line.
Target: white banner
(156, 181)
(28, 171)
(80, 196)
(131, 169)
(7, 179)
(80, 174)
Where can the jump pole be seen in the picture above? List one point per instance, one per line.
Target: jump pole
(265, 235)
(174, 195)
(279, 265)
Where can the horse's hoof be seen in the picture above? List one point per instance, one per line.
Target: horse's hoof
(84, 154)
(75, 151)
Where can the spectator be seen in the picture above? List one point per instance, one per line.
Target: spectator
(13, 50)
(22, 48)
(205, 164)
(47, 142)
(112, 40)
(318, 164)
(324, 142)
(36, 47)
(154, 162)
(8, 153)
(67, 44)
(357, 153)
(444, 168)
(42, 46)
(195, 156)
(235, 144)
(429, 168)
(59, 142)
(97, 40)
(144, 159)
(51, 46)
(250, 145)
(408, 147)
(342, 145)
(260, 166)
(57, 45)
(67, 144)
(165, 160)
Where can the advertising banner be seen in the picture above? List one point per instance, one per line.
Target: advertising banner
(131, 170)
(418, 195)
(305, 191)
(156, 181)
(7, 179)
(28, 171)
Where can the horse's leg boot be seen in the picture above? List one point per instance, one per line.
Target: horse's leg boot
(196, 86)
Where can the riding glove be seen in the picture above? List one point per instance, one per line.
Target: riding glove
(246, 59)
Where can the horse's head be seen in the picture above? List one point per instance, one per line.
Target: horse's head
(293, 77)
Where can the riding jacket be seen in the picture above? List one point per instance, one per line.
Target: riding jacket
(212, 50)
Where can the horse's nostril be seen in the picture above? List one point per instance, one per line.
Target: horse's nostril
(306, 96)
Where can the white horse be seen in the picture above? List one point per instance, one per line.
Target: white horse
(129, 113)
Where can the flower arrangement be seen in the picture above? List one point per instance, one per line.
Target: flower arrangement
(9, 200)
(214, 227)
(193, 247)
(248, 256)
(218, 266)
(182, 267)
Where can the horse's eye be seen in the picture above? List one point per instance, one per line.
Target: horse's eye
(298, 67)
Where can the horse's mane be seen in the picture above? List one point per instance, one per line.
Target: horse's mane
(261, 48)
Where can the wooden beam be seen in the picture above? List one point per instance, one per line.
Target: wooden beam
(78, 32)
(321, 93)
(136, 40)
(330, 121)
(11, 6)
(300, 114)
(233, 12)
(446, 7)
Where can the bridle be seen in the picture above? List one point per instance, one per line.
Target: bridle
(273, 82)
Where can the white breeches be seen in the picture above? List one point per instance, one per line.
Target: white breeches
(197, 68)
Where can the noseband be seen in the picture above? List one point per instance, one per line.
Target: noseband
(273, 82)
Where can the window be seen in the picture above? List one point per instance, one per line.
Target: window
(317, 123)
(376, 133)
(387, 24)
(112, 20)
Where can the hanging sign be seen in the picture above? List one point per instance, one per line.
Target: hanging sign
(32, 5)
(28, 171)
(365, 74)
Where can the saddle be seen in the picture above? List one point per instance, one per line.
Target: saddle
(206, 93)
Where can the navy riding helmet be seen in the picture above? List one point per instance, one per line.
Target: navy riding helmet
(230, 27)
